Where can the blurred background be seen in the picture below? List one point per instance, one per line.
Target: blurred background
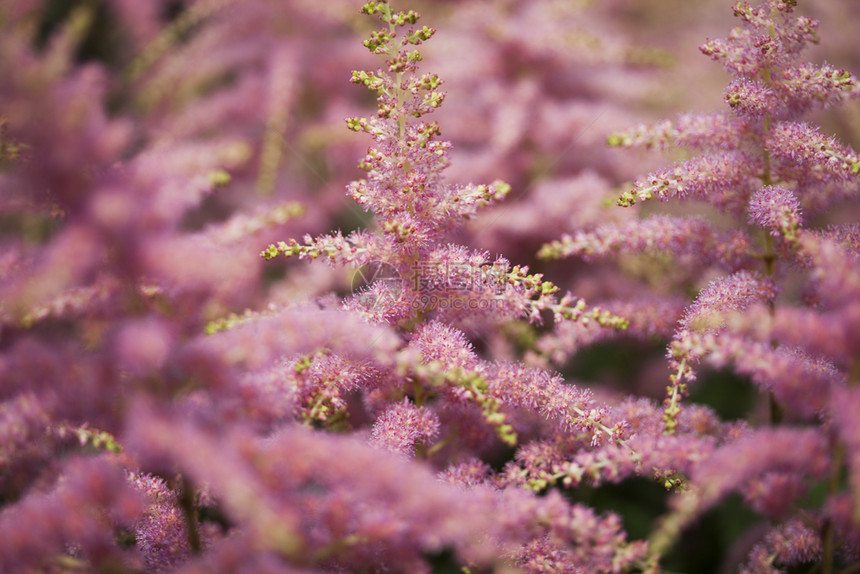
(169, 142)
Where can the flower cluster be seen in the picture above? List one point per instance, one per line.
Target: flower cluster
(772, 174)
(436, 398)
(414, 207)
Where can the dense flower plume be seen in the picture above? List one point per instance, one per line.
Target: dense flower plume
(418, 384)
(773, 174)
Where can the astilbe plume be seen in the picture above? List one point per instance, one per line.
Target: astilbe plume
(188, 440)
(168, 403)
(414, 209)
(104, 281)
(770, 173)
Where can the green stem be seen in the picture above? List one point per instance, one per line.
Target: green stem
(828, 537)
(828, 543)
(670, 413)
(420, 397)
(769, 256)
(189, 510)
(854, 372)
(392, 51)
(777, 412)
(400, 94)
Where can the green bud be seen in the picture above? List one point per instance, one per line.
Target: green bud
(502, 187)
(269, 252)
(418, 36)
(218, 177)
(371, 8)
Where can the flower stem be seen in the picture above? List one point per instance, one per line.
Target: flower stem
(189, 511)
(828, 537)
